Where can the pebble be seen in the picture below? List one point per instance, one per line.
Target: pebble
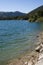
(26, 63)
(29, 63)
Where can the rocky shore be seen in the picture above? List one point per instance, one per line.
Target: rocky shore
(34, 58)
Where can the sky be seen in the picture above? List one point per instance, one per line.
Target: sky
(24, 6)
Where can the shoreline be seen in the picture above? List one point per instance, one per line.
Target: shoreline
(32, 58)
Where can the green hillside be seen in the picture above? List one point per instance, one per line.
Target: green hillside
(34, 15)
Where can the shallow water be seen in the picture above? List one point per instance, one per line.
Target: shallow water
(16, 37)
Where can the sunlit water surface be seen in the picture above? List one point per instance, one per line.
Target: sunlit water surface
(16, 37)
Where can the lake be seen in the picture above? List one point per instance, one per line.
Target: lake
(16, 37)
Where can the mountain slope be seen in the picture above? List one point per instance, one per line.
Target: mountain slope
(11, 14)
(36, 10)
(36, 14)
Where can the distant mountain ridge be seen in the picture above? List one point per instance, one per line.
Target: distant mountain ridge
(34, 15)
(16, 13)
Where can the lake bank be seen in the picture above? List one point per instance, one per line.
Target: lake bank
(39, 19)
(33, 58)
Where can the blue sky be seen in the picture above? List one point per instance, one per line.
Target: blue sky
(19, 5)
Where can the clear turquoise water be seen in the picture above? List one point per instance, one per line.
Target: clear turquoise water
(17, 36)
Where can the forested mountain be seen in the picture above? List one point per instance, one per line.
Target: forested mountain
(34, 15)
(11, 15)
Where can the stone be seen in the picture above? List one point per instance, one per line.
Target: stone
(26, 63)
(29, 63)
(41, 50)
(37, 49)
(40, 56)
